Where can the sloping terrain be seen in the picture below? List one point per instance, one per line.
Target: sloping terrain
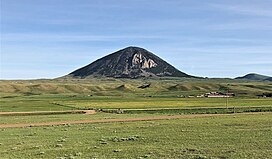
(131, 62)
(255, 77)
(139, 87)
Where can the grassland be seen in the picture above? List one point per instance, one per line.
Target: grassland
(66, 117)
(68, 102)
(229, 136)
(63, 94)
(235, 136)
(146, 103)
(169, 87)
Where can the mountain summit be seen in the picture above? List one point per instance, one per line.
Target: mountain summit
(131, 62)
(255, 77)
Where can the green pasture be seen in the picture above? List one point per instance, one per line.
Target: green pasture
(71, 102)
(107, 93)
(235, 135)
(18, 119)
(152, 102)
(231, 136)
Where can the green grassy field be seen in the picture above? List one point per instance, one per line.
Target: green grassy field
(234, 136)
(66, 117)
(230, 136)
(68, 102)
(144, 103)
(62, 94)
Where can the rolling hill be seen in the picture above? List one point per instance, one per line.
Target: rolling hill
(255, 77)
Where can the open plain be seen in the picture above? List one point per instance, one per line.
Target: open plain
(115, 118)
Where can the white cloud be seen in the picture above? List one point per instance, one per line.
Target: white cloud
(242, 24)
(246, 9)
(69, 37)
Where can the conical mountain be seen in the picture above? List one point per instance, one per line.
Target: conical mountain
(131, 62)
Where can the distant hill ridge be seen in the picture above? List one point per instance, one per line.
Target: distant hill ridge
(130, 62)
(255, 77)
(269, 79)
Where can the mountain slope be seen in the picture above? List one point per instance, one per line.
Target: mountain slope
(268, 79)
(254, 77)
(131, 62)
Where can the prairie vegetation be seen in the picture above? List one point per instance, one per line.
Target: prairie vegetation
(243, 131)
(235, 136)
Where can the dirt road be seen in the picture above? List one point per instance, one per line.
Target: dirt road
(116, 120)
(50, 112)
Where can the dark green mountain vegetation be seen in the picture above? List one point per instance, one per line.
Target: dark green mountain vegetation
(255, 77)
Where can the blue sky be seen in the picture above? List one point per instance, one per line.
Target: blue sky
(211, 38)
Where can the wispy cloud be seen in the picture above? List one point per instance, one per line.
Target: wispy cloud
(9, 37)
(251, 24)
(227, 50)
(245, 9)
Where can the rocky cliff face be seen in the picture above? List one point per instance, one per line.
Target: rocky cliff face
(140, 61)
(131, 62)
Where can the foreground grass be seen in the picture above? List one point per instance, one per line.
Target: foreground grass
(234, 136)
